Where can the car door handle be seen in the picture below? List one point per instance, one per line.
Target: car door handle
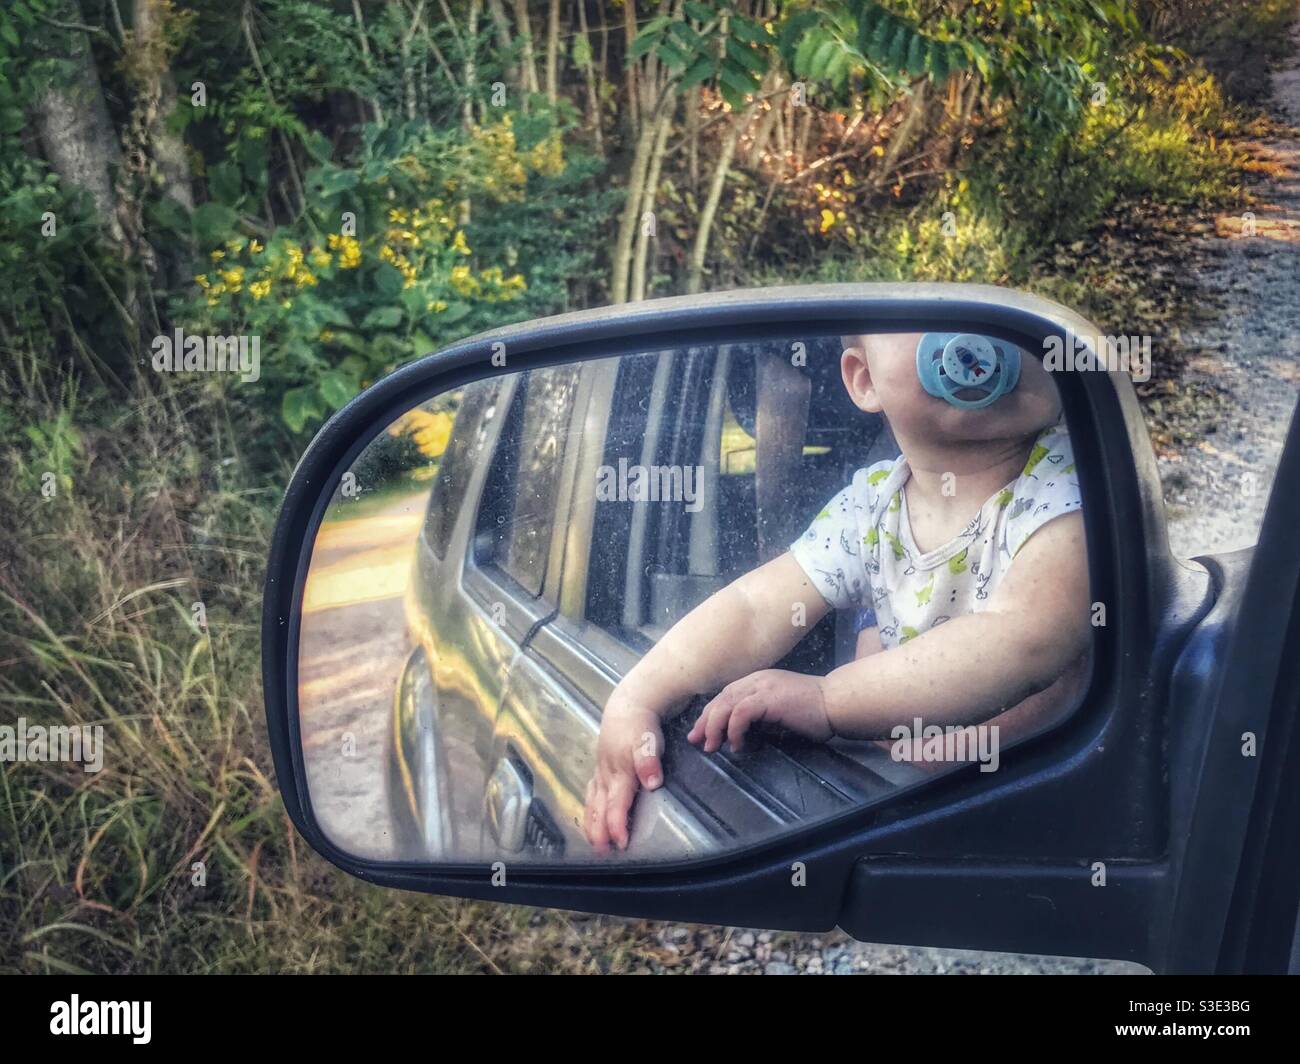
(508, 799)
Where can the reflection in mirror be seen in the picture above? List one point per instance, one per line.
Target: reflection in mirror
(662, 605)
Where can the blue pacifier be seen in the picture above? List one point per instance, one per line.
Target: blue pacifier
(948, 363)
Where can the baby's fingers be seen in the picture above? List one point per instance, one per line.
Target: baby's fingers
(618, 803)
(707, 728)
(645, 761)
(715, 727)
(745, 713)
(594, 820)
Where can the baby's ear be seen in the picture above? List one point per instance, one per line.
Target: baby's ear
(857, 378)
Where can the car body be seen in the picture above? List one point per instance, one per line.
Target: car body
(524, 621)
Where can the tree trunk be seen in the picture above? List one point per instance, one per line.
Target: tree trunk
(500, 23)
(693, 137)
(158, 96)
(763, 131)
(553, 52)
(695, 274)
(471, 70)
(593, 89)
(375, 107)
(627, 225)
(643, 239)
(903, 134)
(805, 131)
(408, 75)
(75, 131)
(527, 61)
(629, 35)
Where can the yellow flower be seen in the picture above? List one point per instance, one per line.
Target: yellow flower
(464, 282)
(202, 280)
(459, 243)
(218, 255)
(234, 277)
(259, 289)
(321, 258)
(256, 248)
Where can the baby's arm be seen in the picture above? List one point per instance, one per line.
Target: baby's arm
(747, 625)
(868, 642)
(972, 666)
(962, 672)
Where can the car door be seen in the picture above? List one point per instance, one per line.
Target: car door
(546, 731)
(504, 551)
(628, 573)
(1236, 817)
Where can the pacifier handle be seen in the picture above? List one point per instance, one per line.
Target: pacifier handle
(948, 363)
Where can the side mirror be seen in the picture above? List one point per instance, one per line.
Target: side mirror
(481, 561)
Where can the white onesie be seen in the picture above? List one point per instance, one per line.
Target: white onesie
(859, 550)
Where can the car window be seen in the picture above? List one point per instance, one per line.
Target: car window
(474, 409)
(756, 439)
(517, 514)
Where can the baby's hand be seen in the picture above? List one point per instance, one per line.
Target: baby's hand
(791, 699)
(627, 757)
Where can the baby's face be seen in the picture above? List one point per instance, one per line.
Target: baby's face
(880, 375)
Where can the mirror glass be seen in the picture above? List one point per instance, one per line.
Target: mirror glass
(656, 606)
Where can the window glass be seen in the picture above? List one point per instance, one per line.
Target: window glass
(473, 408)
(759, 436)
(518, 513)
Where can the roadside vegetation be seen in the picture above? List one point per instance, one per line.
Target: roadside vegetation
(356, 183)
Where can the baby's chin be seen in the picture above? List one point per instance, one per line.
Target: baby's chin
(1010, 417)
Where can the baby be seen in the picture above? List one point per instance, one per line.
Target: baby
(965, 558)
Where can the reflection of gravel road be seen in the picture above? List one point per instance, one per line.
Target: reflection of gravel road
(351, 648)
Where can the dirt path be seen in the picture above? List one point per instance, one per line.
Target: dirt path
(1216, 492)
(351, 649)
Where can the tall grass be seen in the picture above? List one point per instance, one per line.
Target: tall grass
(178, 856)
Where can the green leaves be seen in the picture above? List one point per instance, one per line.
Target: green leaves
(711, 44)
(212, 223)
(335, 389)
(299, 406)
(388, 280)
(382, 318)
(899, 47)
(330, 180)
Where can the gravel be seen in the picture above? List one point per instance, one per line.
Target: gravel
(1216, 491)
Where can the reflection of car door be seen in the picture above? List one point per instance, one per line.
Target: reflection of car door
(562, 680)
(511, 561)
(626, 567)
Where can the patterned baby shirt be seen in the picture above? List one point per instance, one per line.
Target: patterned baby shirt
(859, 551)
